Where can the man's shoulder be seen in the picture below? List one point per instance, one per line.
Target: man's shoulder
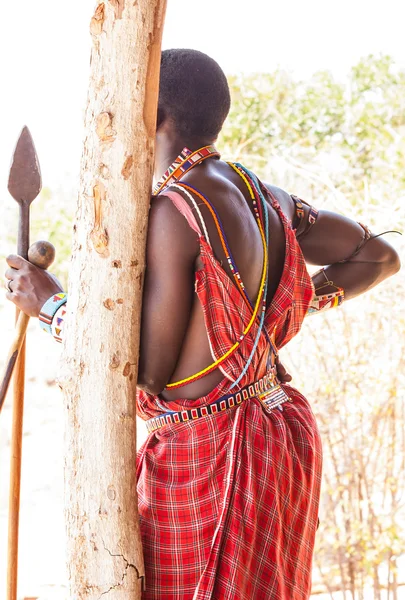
(168, 228)
(283, 198)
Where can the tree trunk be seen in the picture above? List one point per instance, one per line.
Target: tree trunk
(105, 291)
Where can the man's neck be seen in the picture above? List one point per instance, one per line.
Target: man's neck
(168, 150)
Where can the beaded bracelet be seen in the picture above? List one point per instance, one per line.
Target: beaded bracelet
(58, 323)
(49, 309)
(323, 302)
(326, 302)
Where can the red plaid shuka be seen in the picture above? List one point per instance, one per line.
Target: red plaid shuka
(228, 503)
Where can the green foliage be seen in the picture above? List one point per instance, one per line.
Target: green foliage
(341, 142)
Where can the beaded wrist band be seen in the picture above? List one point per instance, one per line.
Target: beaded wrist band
(323, 302)
(49, 309)
(326, 302)
(58, 323)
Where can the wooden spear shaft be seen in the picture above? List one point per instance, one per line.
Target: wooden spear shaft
(16, 441)
(40, 254)
(18, 349)
(15, 475)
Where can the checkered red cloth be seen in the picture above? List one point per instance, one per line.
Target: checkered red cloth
(228, 504)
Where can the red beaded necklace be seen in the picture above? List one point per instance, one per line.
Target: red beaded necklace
(185, 161)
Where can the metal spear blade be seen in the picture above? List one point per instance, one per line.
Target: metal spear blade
(24, 181)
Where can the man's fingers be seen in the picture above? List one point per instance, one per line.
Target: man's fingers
(15, 261)
(281, 369)
(7, 285)
(282, 373)
(10, 273)
(56, 280)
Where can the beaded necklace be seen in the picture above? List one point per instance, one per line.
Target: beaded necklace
(185, 161)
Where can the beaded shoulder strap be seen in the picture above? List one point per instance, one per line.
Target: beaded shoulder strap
(183, 208)
(256, 190)
(259, 305)
(222, 236)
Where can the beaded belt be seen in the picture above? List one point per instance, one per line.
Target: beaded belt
(267, 390)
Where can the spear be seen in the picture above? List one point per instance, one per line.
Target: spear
(24, 185)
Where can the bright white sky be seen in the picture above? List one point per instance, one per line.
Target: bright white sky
(45, 45)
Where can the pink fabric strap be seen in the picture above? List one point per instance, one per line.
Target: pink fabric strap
(181, 204)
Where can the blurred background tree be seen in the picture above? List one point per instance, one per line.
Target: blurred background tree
(340, 145)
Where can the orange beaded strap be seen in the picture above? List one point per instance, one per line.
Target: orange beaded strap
(260, 298)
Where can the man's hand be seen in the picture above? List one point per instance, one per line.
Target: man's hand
(30, 286)
(282, 373)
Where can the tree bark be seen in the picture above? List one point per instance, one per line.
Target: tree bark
(105, 292)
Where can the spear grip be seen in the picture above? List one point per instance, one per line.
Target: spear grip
(41, 254)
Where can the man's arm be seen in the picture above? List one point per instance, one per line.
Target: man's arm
(333, 238)
(172, 249)
(333, 242)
